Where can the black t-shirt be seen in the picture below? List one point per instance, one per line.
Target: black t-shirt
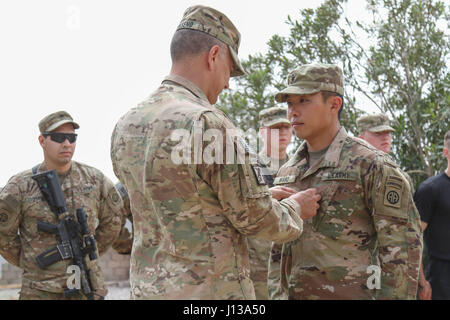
(432, 199)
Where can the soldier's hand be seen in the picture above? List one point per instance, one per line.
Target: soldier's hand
(425, 291)
(308, 200)
(280, 193)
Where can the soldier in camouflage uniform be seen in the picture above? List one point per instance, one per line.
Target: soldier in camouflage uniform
(191, 217)
(376, 130)
(276, 132)
(22, 206)
(274, 120)
(367, 228)
(124, 243)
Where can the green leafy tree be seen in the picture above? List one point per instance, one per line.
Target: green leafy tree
(316, 39)
(398, 61)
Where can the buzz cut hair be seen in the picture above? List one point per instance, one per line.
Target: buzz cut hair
(188, 43)
(327, 94)
(447, 140)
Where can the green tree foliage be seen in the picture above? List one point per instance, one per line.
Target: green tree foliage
(398, 61)
(407, 75)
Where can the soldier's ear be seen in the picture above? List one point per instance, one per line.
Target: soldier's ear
(41, 140)
(336, 104)
(213, 56)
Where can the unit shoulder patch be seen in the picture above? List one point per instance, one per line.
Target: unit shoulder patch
(394, 191)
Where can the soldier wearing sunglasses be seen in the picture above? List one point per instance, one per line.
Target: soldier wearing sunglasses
(22, 205)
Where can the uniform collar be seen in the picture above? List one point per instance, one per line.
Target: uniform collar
(43, 167)
(333, 153)
(331, 158)
(267, 160)
(188, 85)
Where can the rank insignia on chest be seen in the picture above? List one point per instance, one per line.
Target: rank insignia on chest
(285, 179)
(258, 171)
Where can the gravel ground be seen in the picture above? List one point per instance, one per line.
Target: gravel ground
(9, 294)
(116, 291)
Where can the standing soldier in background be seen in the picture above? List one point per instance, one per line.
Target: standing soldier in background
(124, 242)
(366, 227)
(22, 206)
(376, 130)
(191, 218)
(276, 132)
(433, 202)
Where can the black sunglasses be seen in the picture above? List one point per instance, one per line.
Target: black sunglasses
(61, 137)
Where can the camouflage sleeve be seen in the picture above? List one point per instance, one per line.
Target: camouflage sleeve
(10, 215)
(110, 217)
(277, 289)
(242, 193)
(124, 243)
(398, 230)
(411, 184)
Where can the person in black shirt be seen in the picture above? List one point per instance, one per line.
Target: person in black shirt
(432, 199)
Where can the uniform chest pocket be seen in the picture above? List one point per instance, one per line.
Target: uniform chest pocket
(327, 192)
(37, 208)
(84, 196)
(336, 188)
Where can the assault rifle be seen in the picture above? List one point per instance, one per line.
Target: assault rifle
(76, 239)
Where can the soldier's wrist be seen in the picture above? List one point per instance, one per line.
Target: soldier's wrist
(296, 209)
(294, 205)
(422, 284)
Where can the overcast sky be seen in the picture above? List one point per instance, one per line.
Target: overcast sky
(97, 59)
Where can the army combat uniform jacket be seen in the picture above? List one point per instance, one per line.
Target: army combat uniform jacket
(22, 206)
(367, 225)
(124, 242)
(259, 249)
(190, 219)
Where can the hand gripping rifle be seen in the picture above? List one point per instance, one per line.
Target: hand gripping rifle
(76, 239)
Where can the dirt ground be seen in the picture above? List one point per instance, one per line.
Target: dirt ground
(116, 291)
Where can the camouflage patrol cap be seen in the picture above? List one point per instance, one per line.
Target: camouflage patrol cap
(272, 116)
(55, 120)
(313, 78)
(373, 123)
(217, 25)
